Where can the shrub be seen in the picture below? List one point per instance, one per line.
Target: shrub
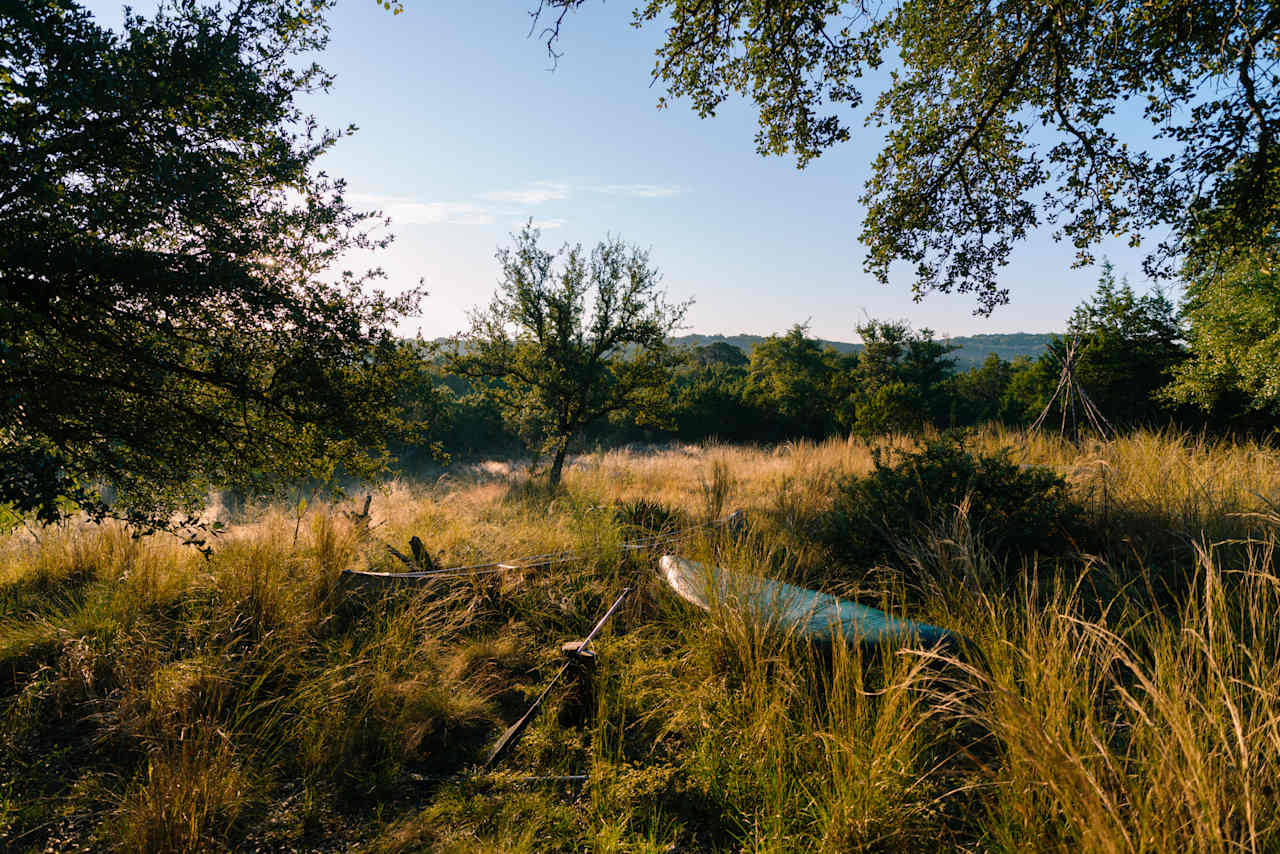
(1011, 510)
(643, 517)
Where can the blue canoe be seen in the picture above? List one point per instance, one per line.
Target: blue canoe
(789, 608)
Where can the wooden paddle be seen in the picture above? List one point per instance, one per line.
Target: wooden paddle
(513, 733)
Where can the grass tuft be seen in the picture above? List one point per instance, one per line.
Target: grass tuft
(1117, 692)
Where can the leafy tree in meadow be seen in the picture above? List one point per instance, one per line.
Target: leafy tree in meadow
(166, 323)
(900, 379)
(792, 379)
(571, 338)
(1001, 117)
(1232, 306)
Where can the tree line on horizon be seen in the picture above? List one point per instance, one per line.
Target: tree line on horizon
(1132, 358)
(971, 349)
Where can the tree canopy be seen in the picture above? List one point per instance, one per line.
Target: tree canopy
(1232, 307)
(165, 320)
(572, 341)
(1000, 117)
(1129, 345)
(791, 377)
(899, 382)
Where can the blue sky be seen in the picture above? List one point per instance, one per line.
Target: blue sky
(465, 133)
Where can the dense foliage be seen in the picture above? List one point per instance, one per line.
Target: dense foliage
(1007, 509)
(1233, 309)
(1128, 349)
(791, 380)
(900, 380)
(1129, 345)
(1002, 117)
(570, 343)
(165, 323)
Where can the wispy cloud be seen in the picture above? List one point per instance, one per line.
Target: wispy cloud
(489, 207)
(439, 213)
(410, 212)
(539, 192)
(536, 193)
(641, 191)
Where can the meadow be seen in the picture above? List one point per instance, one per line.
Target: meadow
(1121, 692)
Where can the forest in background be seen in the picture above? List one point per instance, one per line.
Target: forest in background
(971, 350)
(1128, 348)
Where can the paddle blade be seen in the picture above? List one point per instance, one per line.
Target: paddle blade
(509, 738)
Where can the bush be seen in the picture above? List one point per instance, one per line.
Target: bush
(643, 517)
(1010, 510)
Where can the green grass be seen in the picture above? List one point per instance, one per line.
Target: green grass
(1125, 698)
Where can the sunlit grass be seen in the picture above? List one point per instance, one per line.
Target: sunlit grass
(1123, 699)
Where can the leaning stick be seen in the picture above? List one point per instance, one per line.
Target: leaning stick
(513, 733)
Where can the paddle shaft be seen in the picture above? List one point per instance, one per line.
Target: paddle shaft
(509, 737)
(626, 591)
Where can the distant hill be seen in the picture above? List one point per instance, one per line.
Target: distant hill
(973, 348)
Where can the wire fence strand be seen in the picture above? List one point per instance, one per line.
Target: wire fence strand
(539, 560)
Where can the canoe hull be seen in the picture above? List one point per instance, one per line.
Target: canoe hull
(788, 608)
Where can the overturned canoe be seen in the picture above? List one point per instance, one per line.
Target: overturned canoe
(789, 608)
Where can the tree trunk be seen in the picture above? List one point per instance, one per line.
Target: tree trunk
(557, 465)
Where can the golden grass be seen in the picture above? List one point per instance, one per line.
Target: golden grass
(188, 799)
(153, 700)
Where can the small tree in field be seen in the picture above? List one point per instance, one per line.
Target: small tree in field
(791, 379)
(572, 338)
(900, 381)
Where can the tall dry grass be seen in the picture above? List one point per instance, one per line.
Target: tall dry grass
(153, 700)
